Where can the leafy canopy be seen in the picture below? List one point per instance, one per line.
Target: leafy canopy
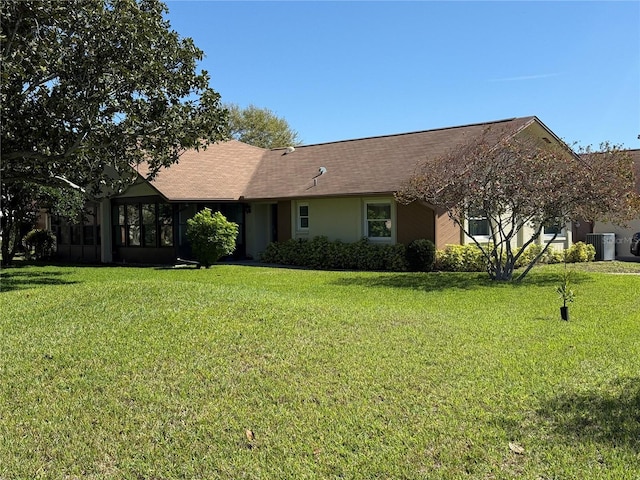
(89, 89)
(92, 87)
(521, 181)
(260, 127)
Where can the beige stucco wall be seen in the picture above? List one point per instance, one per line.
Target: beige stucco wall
(338, 218)
(335, 218)
(140, 189)
(258, 229)
(561, 242)
(623, 237)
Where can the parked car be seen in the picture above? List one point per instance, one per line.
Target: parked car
(635, 244)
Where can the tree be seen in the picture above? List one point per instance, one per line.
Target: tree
(260, 127)
(90, 88)
(518, 181)
(21, 205)
(211, 236)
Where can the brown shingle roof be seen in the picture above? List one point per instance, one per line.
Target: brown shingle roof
(359, 167)
(233, 170)
(221, 172)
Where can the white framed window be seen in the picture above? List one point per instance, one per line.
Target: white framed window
(477, 224)
(550, 231)
(378, 220)
(303, 216)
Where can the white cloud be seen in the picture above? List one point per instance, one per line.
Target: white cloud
(525, 77)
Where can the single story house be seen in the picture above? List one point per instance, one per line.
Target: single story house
(343, 190)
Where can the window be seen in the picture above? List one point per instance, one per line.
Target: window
(554, 230)
(185, 212)
(119, 228)
(88, 236)
(478, 224)
(88, 228)
(82, 231)
(133, 225)
(142, 225)
(149, 224)
(165, 222)
(303, 216)
(378, 220)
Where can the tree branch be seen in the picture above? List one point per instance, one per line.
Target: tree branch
(539, 256)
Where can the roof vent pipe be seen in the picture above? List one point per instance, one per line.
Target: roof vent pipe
(290, 149)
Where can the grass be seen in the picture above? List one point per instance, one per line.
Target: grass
(141, 373)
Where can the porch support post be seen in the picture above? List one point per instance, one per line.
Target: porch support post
(106, 251)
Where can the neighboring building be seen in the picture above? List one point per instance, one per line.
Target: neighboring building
(624, 233)
(343, 190)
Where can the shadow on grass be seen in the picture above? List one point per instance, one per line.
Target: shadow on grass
(435, 281)
(608, 415)
(16, 279)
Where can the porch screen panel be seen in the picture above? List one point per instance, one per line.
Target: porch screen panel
(165, 223)
(149, 224)
(119, 226)
(133, 225)
(88, 232)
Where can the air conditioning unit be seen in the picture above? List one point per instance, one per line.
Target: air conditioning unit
(605, 245)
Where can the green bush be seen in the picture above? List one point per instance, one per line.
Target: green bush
(460, 258)
(531, 252)
(322, 254)
(580, 252)
(39, 244)
(553, 256)
(421, 255)
(211, 236)
(395, 257)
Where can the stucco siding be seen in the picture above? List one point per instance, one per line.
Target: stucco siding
(623, 237)
(257, 229)
(139, 189)
(335, 218)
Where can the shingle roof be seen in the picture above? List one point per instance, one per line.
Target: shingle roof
(359, 167)
(233, 170)
(221, 172)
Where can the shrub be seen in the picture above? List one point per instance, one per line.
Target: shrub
(421, 255)
(320, 253)
(580, 252)
(395, 257)
(211, 236)
(553, 256)
(531, 252)
(461, 258)
(39, 243)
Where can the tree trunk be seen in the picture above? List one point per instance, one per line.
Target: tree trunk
(10, 234)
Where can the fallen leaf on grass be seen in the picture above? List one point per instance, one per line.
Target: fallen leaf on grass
(250, 435)
(515, 448)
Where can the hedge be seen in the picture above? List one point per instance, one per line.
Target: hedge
(420, 255)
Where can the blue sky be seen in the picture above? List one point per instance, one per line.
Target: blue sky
(343, 70)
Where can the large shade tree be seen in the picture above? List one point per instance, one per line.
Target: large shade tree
(260, 127)
(90, 88)
(522, 181)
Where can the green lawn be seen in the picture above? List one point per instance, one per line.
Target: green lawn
(142, 373)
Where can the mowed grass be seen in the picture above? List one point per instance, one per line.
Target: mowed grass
(142, 373)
